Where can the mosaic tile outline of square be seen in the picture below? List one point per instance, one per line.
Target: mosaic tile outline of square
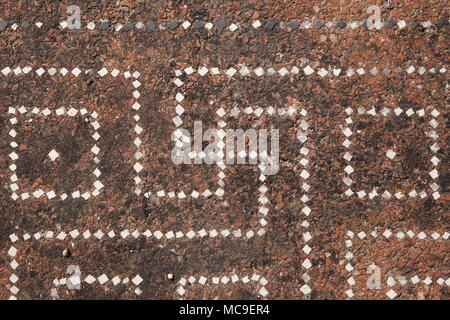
(53, 154)
(434, 147)
(53, 72)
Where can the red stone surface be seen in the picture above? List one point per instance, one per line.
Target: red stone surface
(278, 255)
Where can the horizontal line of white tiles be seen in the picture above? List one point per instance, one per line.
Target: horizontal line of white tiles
(223, 280)
(427, 280)
(399, 234)
(53, 71)
(134, 234)
(101, 280)
(222, 25)
(307, 70)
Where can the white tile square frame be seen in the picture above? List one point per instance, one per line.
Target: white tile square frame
(75, 72)
(51, 194)
(386, 194)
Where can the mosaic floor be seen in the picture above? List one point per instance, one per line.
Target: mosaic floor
(121, 177)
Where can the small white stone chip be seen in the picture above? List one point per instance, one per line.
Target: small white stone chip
(263, 292)
(53, 155)
(390, 154)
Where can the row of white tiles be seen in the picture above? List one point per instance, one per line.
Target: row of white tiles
(223, 280)
(305, 69)
(234, 26)
(102, 280)
(400, 235)
(304, 152)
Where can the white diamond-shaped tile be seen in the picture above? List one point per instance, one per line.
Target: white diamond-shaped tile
(391, 294)
(137, 280)
(305, 289)
(308, 70)
(256, 24)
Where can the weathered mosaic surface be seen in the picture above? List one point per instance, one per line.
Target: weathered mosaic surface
(224, 149)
